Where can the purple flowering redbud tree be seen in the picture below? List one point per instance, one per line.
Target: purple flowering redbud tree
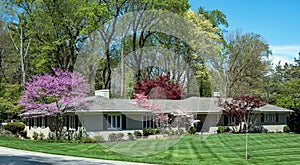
(53, 95)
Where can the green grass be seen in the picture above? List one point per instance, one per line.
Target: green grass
(216, 149)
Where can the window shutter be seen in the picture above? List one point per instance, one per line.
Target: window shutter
(46, 118)
(262, 118)
(123, 122)
(225, 120)
(40, 121)
(29, 123)
(105, 122)
(76, 122)
(67, 122)
(277, 117)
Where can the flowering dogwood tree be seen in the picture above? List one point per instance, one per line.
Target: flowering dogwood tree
(53, 95)
(142, 101)
(160, 88)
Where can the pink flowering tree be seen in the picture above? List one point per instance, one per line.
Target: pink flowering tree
(142, 101)
(177, 117)
(182, 118)
(53, 95)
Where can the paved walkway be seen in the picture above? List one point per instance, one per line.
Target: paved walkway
(10, 156)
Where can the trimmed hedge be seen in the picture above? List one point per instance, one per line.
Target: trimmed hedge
(192, 130)
(14, 127)
(286, 129)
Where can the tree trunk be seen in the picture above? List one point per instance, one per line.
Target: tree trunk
(122, 69)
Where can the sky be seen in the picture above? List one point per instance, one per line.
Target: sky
(277, 21)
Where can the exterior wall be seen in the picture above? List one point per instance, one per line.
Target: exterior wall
(276, 125)
(281, 119)
(274, 128)
(134, 121)
(41, 125)
(208, 122)
(91, 122)
(37, 125)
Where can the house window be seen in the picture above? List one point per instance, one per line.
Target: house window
(231, 120)
(266, 117)
(148, 121)
(35, 122)
(44, 122)
(114, 121)
(72, 122)
(271, 117)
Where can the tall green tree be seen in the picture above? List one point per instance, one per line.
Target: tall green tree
(57, 27)
(247, 64)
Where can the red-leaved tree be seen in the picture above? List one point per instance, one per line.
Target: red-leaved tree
(160, 88)
(241, 108)
(53, 95)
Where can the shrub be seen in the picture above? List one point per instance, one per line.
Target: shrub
(156, 131)
(112, 137)
(14, 127)
(137, 134)
(78, 136)
(35, 135)
(23, 134)
(148, 131)
(286, 129)
(120, 136)
(179, 132)
(220, 129)
(258, 129)
(192, 130)
(130, 136)
(88, 140)
(99, 138)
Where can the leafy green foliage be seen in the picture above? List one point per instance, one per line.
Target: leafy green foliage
(15, 127)
(9, 97)
(148, 131)
(286, 129)
(88, 140)
(220, 129)
(99, 138)
(191, 130)
(137, 134)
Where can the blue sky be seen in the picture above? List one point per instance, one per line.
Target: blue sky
(277, 21)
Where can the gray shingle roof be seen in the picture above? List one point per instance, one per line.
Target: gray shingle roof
(192, 104)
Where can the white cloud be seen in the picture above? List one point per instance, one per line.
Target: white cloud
(284, 53)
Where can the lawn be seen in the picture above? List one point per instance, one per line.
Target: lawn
(215, 149)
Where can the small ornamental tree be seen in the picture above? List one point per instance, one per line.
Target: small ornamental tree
(53, 95)
(142, 101)
(160, 88)
(242, 108)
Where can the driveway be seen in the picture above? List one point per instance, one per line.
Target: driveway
(10, 156)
